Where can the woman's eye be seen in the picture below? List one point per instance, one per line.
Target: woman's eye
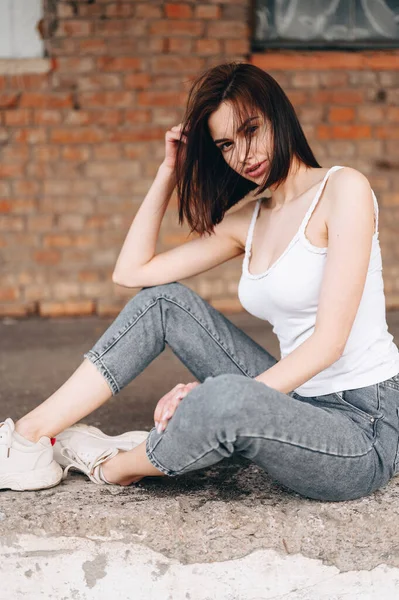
(250, 129)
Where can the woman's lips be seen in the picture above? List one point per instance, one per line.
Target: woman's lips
(259, 171)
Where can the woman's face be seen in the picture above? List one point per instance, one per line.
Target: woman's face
(232, 143)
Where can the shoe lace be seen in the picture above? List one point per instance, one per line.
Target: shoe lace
(85, 463)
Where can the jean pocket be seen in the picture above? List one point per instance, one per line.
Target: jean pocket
(363, 402)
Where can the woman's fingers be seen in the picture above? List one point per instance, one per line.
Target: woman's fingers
(160, 408)
(169, 410)
(170, 402)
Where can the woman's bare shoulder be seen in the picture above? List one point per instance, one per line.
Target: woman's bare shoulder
(238, 218)
(348, 175)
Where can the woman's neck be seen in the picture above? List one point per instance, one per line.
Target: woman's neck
(300, 179)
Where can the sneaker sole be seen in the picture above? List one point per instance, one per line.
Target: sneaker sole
(37, 479)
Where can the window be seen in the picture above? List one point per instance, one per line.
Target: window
(19, 35)
(325, 24)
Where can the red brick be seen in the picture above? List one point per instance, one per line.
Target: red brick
(74, 28)
(15, 153)
(228, 29)
(100, 81)
(390, 199)
(72, 64)
(348, 132)
(393, 114)
(17, 117)
(208, 46)
(4, 189)
(77, 117)
(161, 98)
(294, 60)
(5, 206)
(107, 170)
(305, 80)
(15, 310)
(236, 46)
(382, 60)
(43, 100)
(8, 294)
(387, 132)
(88, 276)
(56, 187)
(205, 11)
(119, 9)
(91, 46)
(112, 99)
(177, 27)
(26, 187)
(340, 114)
(178, 10)
(136, 135)
(137, 81)
(47, 117)
(29, 81)
(11, 223)
(117, 28)
(39, 170)
(30, 136)
(83, 135)
(11, 170)
(336, 96)
(119, 63)
(69, 309)
(45, 153)
(148, 11)
(137, 116)
(297, 97)
(76, 153)
(39, 223)
(70, 222)
(9, 100)
(173, 64)
(179, 45)
(57, 240)
(23, 206)
(371, 114)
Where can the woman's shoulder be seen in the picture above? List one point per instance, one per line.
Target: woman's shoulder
(348, 176)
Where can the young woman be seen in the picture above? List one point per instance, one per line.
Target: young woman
(323, 420)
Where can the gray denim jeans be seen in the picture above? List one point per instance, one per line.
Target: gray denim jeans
(338, 446)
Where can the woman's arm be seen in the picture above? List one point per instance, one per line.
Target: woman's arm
(307, 360)
(140, 243)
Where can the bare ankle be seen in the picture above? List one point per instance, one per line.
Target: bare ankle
(28, 429)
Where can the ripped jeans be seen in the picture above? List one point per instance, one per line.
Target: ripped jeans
(338, 446)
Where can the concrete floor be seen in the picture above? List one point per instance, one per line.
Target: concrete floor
(224, 533)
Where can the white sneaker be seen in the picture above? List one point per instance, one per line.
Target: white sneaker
(26, 465)
(84, 448)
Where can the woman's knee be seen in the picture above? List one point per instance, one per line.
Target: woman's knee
(219, 399)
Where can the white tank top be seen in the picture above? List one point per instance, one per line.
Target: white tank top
(287, 296)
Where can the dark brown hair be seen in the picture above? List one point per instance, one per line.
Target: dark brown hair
(206, 185)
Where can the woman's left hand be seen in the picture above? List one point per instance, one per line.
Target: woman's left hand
(167, 405)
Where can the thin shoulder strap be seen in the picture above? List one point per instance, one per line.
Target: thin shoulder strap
(376, 211)
(317, 196)
(251, 227)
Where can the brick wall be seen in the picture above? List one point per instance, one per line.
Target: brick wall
(81, 143)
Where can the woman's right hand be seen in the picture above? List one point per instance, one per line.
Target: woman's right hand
(173, 137)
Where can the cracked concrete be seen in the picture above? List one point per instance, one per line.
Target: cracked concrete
(224, 533)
